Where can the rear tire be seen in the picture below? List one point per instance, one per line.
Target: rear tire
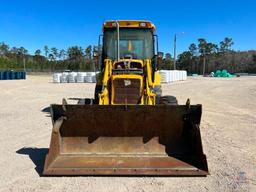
(169, 100)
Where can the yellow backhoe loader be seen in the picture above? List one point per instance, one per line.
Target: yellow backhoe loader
(129, 128)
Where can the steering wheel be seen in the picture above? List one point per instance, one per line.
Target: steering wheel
(130, 55)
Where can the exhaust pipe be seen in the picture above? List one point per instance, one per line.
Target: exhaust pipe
(118, 39)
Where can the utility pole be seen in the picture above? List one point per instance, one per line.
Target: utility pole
(174, 49)
(204, 62)
(24, 63)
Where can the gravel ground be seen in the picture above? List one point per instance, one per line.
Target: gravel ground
(228, 130)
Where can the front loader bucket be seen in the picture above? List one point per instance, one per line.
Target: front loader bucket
(126, 140)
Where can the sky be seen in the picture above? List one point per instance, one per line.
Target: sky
(61, 24)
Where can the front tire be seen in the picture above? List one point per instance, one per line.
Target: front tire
(97, 90)
(169, 100)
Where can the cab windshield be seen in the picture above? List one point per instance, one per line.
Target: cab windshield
(137, 43)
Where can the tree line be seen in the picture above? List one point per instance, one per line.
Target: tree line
(205, 57)
(202, 57)
(75, 58)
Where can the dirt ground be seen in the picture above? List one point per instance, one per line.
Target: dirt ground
(228, 130)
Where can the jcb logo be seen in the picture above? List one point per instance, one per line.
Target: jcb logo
(127, 82)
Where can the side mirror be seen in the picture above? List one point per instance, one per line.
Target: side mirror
(160, 55)
(95, 54)
(159, 60)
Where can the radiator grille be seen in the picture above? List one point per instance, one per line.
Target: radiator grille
(126, 91)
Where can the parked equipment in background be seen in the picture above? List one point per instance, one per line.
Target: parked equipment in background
(129, 128)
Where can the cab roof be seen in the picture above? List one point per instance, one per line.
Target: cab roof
(129, 24)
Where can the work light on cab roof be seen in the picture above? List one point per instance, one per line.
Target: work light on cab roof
(129, 24)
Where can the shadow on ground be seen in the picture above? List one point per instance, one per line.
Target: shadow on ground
(37, 155)
(46, 110)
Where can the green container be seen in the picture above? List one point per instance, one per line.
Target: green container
(217, 73)
(224, 73)
(229, 75)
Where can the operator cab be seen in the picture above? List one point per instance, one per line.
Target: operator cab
(128, 40)
(133, 43)
(127, 43)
